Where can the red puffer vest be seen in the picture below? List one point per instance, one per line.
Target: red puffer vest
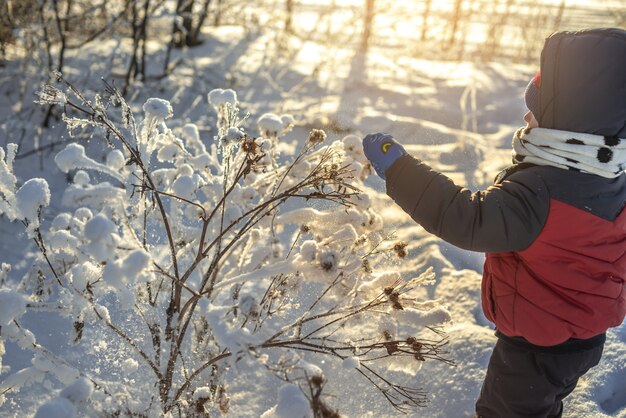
(569, 283)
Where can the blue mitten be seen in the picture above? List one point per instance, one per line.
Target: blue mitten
(382, 151)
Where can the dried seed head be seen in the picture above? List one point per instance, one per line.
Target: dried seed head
(391, 347)
(361, 240)
(365, 265)
(414, 344)
(316, 380)
(223, 400)
(328, 260)
(400, 249)
(394, 298)
(317, 136)
(250, 146)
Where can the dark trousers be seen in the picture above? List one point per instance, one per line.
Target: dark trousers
(528, 381)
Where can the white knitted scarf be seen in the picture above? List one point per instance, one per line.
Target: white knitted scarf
(595, 154)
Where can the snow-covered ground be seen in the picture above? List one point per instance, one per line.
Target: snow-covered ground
(459, 117)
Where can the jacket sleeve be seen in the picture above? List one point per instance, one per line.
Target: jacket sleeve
(508, 216)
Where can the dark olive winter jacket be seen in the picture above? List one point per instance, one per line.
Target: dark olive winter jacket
(555, 239)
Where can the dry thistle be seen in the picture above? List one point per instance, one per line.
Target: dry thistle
(328, 261)
(415, 345)
(391, 346)
(250, 146)
(400, 249)
(394, 297)
(316, 381)
(395, 300)
(316, 136)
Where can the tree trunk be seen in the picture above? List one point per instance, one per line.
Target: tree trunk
(425, 17)
(184, 9)
(195, 35)
(456, 19)
(218, 13)
(367, 25)
(288, 18)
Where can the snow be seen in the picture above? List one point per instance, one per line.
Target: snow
(184, 186)
(135, 262)
(79, 391)
(202, 392)
(70, 157)
(32, 197)
(83, 274)
(232, 135)
(291, 404)
(12, 306)
(130, 365)
(351, 363)
(61, 221)
(57, 408)
(427, 318)
(270, 125)
(7, 178)
(81, 178)
(308, 250)
(115, 159)
(222, 97)
(73, 157)
(158, 109)
(418, 101)
(99, 228)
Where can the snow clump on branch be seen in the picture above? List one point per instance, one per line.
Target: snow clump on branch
(31, 198)
(272, 126)
(222, 97)
(157, 109)
(12, 306)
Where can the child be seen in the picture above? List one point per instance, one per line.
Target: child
(552, 226)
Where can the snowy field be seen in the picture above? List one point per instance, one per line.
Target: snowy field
(458, 117)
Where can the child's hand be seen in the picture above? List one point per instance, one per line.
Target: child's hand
(382, 151)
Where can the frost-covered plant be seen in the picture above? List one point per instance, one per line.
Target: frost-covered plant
(178, 260)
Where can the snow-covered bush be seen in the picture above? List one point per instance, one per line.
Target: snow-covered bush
(180, 259)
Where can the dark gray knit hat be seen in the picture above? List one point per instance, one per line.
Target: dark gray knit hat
(531, 95)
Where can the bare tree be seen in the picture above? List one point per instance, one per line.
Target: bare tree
(218, 13)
